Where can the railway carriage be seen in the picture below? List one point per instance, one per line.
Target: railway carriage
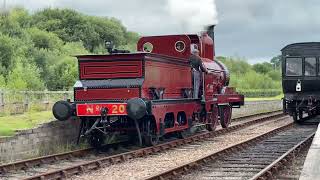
(148, 94)
(301, 79)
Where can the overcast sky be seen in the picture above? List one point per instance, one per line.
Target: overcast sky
(254, 29)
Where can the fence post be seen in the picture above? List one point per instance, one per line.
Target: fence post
(26, 102)
(65, 96)
(47, 100)
(2, 100)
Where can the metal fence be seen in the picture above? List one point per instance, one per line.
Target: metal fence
(18, 102)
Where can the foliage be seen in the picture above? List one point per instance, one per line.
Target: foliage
(7, 48)
(258, 76)
(276, 61)
(25, 77)
(43, 39)
(262, 68)
(37, 50)
(254, 93)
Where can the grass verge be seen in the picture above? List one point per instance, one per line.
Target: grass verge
(8, 124)
(265, 98)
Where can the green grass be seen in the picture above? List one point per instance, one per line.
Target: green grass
(265, 98)
(8, 124)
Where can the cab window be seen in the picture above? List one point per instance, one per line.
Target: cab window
(310, 66)
(294, 66)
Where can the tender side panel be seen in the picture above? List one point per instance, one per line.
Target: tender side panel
(110, 69)
(106, 94)
(172, 77)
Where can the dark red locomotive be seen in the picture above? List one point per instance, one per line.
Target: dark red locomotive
(149, 93)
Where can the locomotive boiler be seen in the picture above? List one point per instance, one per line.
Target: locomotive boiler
(149, 94)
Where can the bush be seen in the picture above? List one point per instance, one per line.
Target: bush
(254, 93)
(25, 77)
(247, 77)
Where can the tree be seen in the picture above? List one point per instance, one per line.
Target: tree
(275, 75)
(2, 82)
(276, 61)
(36, 49)
(7, 52)
(25, 77)
(72, 26)
(45, 40)
(235, 65)
(262, 68)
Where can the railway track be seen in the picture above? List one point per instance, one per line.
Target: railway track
(258, 158)
(76, 162)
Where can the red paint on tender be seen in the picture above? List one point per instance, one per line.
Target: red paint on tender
(106, 94)
(172, 77)
(109, 70)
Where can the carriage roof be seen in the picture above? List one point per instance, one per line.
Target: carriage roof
(302, 49)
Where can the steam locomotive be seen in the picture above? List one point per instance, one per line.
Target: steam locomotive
(300, 79)
(149, 94)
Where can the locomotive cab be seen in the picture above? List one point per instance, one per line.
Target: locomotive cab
(300, 79)
(150, 92)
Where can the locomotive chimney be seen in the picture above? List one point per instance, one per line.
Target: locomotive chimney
(210, 31)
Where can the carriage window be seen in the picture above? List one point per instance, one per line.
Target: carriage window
(310, 66)
(294, 66)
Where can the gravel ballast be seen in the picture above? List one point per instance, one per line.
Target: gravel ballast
(141, 168)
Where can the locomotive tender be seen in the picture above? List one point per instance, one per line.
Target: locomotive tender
(149, 93)
(301, 79)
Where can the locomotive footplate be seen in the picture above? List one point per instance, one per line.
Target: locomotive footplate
(235, 100)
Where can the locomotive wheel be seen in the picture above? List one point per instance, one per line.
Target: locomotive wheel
(212, 119)
(96, 139)
(297, 116)
(225, 113)
(184, 134)
(150, 136)
(300, 114)
(312, 113)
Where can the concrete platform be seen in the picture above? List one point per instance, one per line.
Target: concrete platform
(311, 167)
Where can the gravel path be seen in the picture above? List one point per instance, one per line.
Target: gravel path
(253, 107)
(141, 168)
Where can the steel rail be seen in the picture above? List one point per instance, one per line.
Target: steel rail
(272, 169)
(194, 165)
(25, 164)
(110, 160)
(29, 163)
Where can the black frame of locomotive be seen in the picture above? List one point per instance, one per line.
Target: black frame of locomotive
(307, 100)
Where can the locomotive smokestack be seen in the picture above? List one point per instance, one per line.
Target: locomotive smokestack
(210, 31)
